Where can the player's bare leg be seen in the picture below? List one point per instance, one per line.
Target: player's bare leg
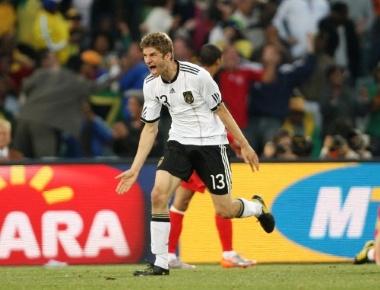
(241, 207)
(164, 186)
(182, 198)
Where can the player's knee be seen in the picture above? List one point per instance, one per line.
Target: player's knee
(159, 198)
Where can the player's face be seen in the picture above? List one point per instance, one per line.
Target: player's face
(155, 60)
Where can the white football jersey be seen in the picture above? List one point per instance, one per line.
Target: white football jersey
(191, 98)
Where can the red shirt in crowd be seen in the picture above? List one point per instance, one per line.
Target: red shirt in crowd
(234, 86)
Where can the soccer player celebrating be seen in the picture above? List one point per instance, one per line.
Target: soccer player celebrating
(197, 142)
(210, 58)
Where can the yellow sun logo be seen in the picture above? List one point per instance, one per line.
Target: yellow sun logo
(39, 182)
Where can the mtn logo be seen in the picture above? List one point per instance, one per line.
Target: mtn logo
(333, 212)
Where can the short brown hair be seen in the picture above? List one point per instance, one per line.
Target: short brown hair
(158, 40)
(209, 54)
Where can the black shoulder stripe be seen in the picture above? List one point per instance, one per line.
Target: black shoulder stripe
(189, 71)
(149, 78)
(189, 67)
(216, 97)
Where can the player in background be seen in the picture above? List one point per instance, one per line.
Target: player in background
(210, 58)
(197, 141)
(370, 253)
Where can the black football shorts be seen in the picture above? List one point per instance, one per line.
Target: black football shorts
(211, 162)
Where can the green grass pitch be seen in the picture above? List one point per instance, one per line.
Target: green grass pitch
(278, 276)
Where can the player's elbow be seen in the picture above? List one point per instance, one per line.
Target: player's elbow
(151, 129)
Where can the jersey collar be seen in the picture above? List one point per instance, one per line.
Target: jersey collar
(175, 77)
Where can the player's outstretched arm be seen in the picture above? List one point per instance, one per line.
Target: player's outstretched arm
(128, 177)
(247, 153)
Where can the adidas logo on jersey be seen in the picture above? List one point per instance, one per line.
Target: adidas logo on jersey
(172, 91)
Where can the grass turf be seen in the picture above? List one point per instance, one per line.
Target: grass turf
(279, 276)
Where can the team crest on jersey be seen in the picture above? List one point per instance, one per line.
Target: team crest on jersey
(188, 96)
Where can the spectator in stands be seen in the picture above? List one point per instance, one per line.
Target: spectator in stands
(280, 147)
(376, 6)
(132, 76)
(26, 14)
(360, 143)
(247, 15)
(375, 41)
(300, 122)
(51, 30)
(220, 13)
(342, 39)
(336, 147)
(9, 105)
(268, 104)
(159, 18)
(103, 110)
(362, 14)
(7, 18)
(126, 134)
(7, 153)
(84, 9)
(133, 69)
(198, 27)
(132, 12)
(78, 35)
(339, 104)
(372, 91)
(53, 106)
(312, 89)
(96, 135)
(103, 44)
(302, 146)
(295, 19)
(90, 64)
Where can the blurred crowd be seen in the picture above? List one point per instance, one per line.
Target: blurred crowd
(71, 73)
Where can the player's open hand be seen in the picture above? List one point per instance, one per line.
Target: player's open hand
(126, 180)
(249, 156)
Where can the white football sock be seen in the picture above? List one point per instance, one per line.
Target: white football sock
(250, 208)
(229, 254)
(159, 234)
